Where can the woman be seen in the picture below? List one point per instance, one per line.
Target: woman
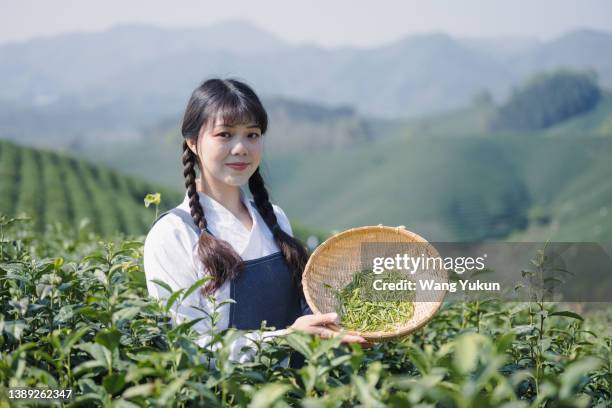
(245, 246)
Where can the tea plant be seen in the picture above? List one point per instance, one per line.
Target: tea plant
(75, 313)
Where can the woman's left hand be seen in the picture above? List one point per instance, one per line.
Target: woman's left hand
(317, 324)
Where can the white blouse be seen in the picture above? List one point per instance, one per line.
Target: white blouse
(170, 255)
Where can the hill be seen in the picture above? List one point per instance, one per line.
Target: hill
(52, 187)
(450, 188)
(569, 180)
(547, 99)
(474, 120)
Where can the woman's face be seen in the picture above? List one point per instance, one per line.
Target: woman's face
(228, 153)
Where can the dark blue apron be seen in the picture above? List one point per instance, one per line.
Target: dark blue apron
(264, 291)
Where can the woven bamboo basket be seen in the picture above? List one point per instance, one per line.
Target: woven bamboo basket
(335, 261)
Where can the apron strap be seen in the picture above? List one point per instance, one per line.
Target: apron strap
(185, 216)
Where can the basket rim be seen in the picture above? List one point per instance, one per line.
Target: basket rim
(378, 335)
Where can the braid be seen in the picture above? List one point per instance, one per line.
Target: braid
(189, 161)
(218, 257)
(262, 199)
(293, 250)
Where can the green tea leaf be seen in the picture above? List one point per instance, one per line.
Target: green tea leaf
(567, 313)
(113, 383)
(465, 357)
(267, 395)
(299, 342)
(109, 338)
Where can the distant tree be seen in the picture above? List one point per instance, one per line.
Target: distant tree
(546, 99)
(483, 99)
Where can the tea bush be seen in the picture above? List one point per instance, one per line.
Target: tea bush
(75, 314)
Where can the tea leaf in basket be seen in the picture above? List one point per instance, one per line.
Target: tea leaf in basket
(364, 309)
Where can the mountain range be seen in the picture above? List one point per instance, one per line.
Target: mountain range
(133, 74)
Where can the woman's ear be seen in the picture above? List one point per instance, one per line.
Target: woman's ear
(192, 143)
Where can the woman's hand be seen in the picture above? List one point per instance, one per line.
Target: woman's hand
(316, 324)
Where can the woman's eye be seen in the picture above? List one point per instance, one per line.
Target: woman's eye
(254, 135)
(224, 135)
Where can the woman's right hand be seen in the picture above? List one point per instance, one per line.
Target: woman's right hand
(316, 324)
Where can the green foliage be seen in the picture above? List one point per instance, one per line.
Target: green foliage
(30, 194)
(74, 313)
(547, 99)
(10, 158)
(57, 205)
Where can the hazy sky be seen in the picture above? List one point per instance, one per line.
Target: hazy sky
(328, 22)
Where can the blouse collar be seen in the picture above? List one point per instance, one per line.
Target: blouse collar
(213, 210)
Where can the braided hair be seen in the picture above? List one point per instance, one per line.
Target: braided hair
(237, 103)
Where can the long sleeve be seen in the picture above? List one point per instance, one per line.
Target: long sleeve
(168, 258)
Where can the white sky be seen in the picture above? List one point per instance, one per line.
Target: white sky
(328, 23)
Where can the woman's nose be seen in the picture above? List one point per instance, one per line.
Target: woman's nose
(240, 147)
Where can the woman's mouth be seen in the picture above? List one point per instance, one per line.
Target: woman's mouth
(238, 166)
